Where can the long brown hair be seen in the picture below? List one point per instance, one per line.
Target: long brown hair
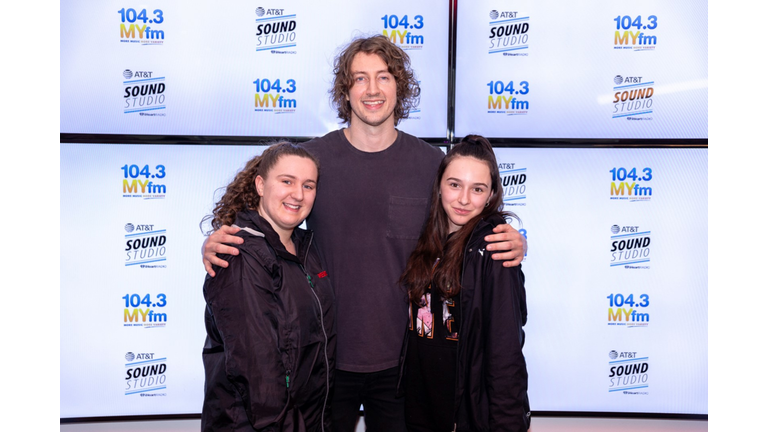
(241, 193)
(398, 63)
(434, 242)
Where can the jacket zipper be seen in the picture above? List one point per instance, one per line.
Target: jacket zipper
(456, 402)
(325, 335)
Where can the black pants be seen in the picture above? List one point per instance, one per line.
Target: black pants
(376, 392)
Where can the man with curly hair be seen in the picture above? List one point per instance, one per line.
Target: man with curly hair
(372, 202)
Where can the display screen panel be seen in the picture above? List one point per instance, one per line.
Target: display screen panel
(616, 275)
(235, 68)
(574, 70)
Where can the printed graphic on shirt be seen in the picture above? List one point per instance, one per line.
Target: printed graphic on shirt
(424, 318)
(448, 321)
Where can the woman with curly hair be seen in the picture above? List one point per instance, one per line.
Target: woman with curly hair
(464, 368)
(269, 354)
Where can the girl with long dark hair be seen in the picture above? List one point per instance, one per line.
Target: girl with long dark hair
(464, 368)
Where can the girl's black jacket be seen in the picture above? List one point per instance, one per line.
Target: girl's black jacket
(491, 376)
(270, 351)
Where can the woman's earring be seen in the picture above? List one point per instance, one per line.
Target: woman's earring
(487, 202)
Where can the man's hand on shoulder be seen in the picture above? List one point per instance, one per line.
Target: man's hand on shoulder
(510, 244)
(215, 243)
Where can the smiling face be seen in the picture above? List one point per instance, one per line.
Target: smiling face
(287, 193)
(373, 94)
(465, 188)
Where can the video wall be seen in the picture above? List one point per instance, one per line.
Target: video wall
(524, 69)
(616, 276)
(235, 68)
(596, 69)
(616, 268)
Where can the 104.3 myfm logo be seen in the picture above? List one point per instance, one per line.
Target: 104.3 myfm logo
(149, 187)
(513, 104)
(144, 311)
(272, 96)
(141, 27)
(628, 310)
(631, 184)
(638, 40)
(399, 30)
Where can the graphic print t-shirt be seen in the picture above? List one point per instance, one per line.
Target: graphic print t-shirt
(431, 361)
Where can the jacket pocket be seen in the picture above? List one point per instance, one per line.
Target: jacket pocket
(406, 217)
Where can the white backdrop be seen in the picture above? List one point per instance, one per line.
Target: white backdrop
(566, 67)
(197, 64)
(96, 336)
(211, 53)
(568, 216)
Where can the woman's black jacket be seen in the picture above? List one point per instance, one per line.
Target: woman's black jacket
(270, 352)
(491, 375)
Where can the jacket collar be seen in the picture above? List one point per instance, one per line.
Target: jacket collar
(492, 221)
(299, 237)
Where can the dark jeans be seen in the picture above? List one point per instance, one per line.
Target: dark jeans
(376, 392)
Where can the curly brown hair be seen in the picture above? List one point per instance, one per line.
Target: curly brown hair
(241, 193)
(398, 63)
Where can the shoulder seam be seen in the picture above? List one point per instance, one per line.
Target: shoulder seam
(250, 231)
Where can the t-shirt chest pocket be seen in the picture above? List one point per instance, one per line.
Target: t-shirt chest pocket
(406, 217)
